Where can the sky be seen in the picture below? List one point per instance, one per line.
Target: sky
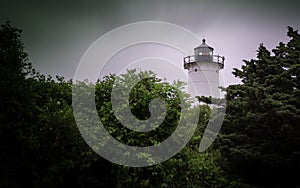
(57, 33)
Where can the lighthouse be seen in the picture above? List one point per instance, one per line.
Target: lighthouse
(203, 70)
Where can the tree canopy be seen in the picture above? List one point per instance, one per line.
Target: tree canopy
(260, 136)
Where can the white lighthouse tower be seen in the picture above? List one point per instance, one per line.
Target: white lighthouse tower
(203, 70)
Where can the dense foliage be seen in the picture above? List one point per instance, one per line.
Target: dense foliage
(261, 133)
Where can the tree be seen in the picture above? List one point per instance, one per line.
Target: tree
(261, 134)
(39, 141)
(189, 168)
(14, 102)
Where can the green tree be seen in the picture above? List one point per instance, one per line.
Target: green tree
(39, 141)
(14, 104)
(189, 168)
(261, 134)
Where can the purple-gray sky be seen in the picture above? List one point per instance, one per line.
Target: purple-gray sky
(57, 33)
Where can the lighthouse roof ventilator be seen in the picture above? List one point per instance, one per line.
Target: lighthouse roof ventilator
(203, 71)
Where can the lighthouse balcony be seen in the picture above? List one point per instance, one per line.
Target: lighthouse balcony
(203, 58)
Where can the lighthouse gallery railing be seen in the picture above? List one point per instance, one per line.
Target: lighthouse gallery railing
(204, 58)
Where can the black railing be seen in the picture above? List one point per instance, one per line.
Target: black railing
(204, 58)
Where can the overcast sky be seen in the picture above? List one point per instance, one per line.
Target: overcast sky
(57, 33)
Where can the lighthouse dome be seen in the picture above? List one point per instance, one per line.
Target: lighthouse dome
(204, 45)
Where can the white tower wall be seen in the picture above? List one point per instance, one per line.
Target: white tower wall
(204, 79)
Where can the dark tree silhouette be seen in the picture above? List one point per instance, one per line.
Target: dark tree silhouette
(261, 133)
